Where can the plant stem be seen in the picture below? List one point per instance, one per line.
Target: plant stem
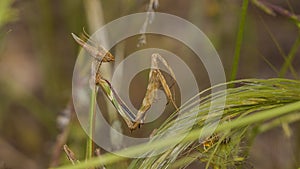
(89, 145)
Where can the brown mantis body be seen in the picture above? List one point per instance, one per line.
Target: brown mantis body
(156, 80)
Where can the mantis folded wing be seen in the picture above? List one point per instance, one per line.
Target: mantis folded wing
(156, 80)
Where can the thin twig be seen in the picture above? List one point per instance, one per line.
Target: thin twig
(153, 5)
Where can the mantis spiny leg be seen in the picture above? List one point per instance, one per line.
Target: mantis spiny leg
(156, 79)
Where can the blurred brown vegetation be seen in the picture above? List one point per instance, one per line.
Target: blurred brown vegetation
(37, 56)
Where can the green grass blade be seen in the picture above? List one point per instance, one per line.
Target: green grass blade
(239, 40)
(288, 61)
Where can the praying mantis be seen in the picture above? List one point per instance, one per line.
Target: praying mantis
(156, 80)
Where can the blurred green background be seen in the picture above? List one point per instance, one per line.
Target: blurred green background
(37, 56)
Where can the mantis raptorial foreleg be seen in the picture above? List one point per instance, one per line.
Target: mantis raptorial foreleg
(156, 80)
